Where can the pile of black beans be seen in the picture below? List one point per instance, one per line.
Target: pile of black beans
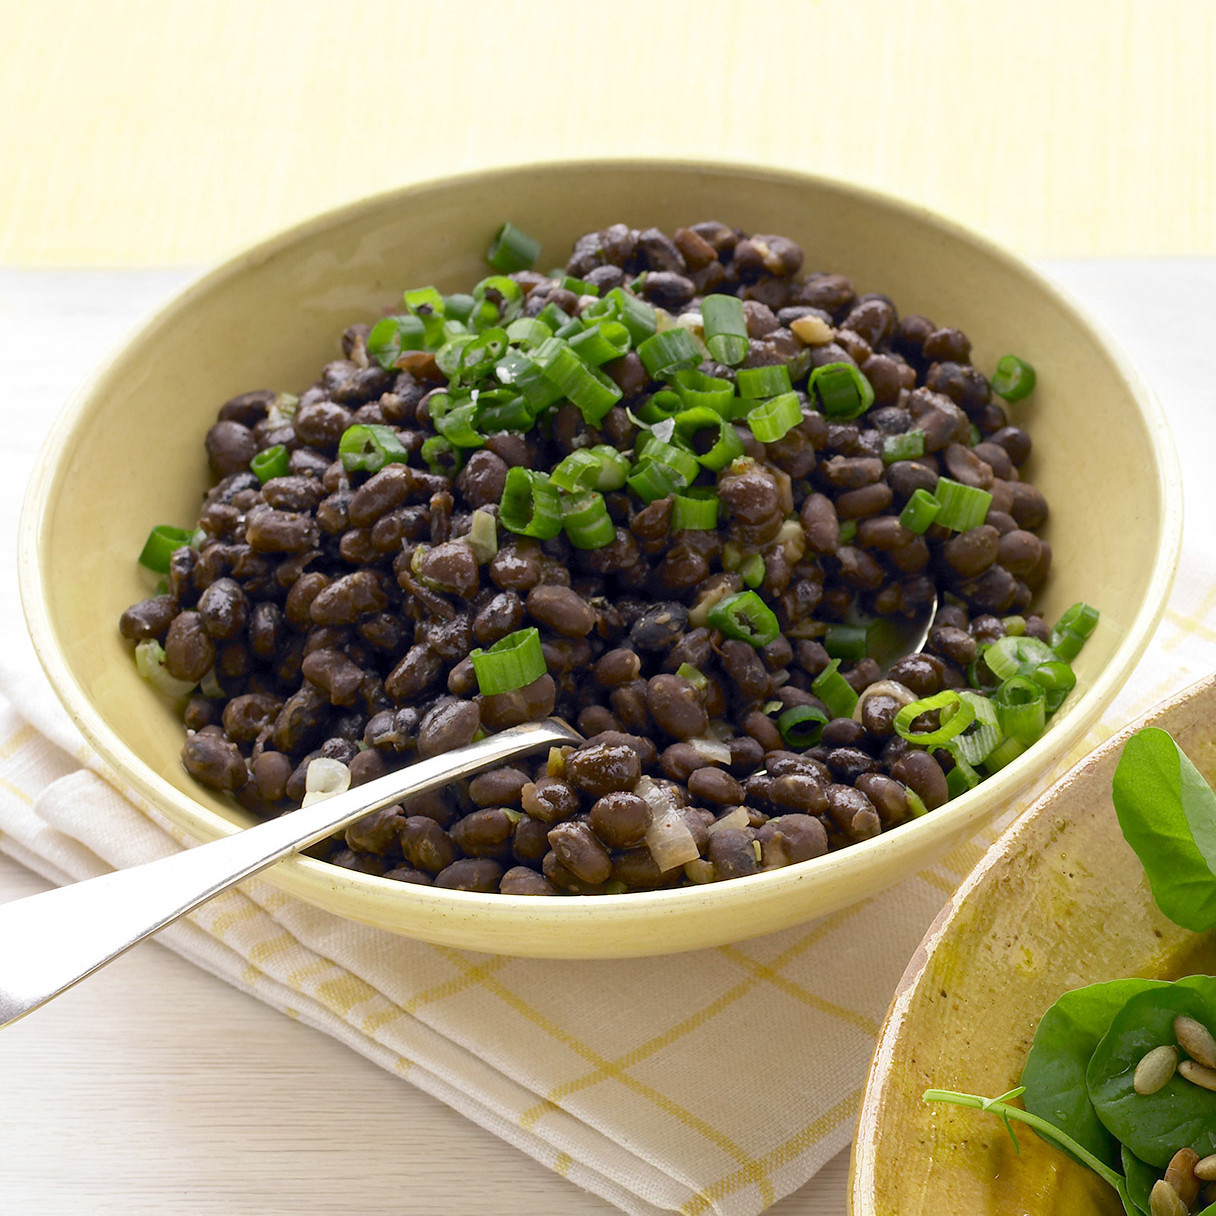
(331, 614)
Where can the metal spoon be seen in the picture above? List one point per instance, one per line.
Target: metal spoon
(50, 941)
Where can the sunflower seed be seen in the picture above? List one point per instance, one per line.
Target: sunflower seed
(1155, 1070)
(1196, 1040)
(1198, 1074)
(1163, 1200)
(1206, 1168)
(1180, 1174)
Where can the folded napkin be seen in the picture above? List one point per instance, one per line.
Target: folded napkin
(718, 1081)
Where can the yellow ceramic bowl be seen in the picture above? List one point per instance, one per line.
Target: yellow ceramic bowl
(1058, 902)
(128, 453)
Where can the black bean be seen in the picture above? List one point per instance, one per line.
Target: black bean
(715, 786)
(732, 853)
(482, 479)
(549, 799)
(561, 609)
(1029, 507)
(675, 706)
(619, 666)
(659, 626)
(921, 773)
(189, 652)
(148, 619)
(470, 874)
(970, 553)
(601, 768)
(802, 792)
(271, 531)
(425, 845)
(527, 704)
(580, 852)
(213, 761)
(523, 880)
(498, 787)
(418, 669)
(488, 832)
(852, 812)
(503, 614)
(449, 725)
(887, 795)
(745, 669)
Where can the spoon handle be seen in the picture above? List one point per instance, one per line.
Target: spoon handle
(50, 941)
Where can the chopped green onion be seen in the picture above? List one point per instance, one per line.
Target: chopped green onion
(752, 570)
(978, 740)
(586, 387)
(457, 426)
(771, 380)
(1021, 706)
(960, 715)
(745, 617)
(1004, 753)
(835, 691)
(725, 444)
(163, 541)
(150, 664)
(441, 456)
(666, 353)
(841, 391)
(801, 726)
(614, 467)
(961, 507)
(725, 328)
(659, 451)
(448, 356)
(916, 804)
(512, 662)
(578, 471)
(633, 313)
(697, 388)
(1014, 626)
(503, 411)
(368, 448)
(694, 675)
(694, 511)
(522, 372)
(651, 481)
(1054, 676)
(512, 249)
(601, 343)
(422, 301)
(531, 505)
(907, 446)
(580, 287)
(1016, 656)
(391, 335)
(1014, 378)
(554, 316)
(920, 511)
(586, 521)
(458, 306)
(848, 531)
(846, 642)
(1073, 629)
(961, 778)
(528, 332)
(476, 359)
(488, 312)
(666, 403)
(270, 463)
(775, 418)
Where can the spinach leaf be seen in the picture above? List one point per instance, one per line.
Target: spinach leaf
(1154, 1126)
(1054, 1072)
(1167, 813)
(1140, 1178)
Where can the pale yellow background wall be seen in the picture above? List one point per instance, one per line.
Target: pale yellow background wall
(145, 132)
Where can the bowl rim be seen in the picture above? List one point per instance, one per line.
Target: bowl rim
(129, 772)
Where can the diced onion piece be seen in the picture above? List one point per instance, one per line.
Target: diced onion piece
(668, 837)
(699, 871)
(324, 778)
(150, 663)
(711, 750)
(738, 818)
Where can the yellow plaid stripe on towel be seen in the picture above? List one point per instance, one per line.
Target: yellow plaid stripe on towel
(718, 1081)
